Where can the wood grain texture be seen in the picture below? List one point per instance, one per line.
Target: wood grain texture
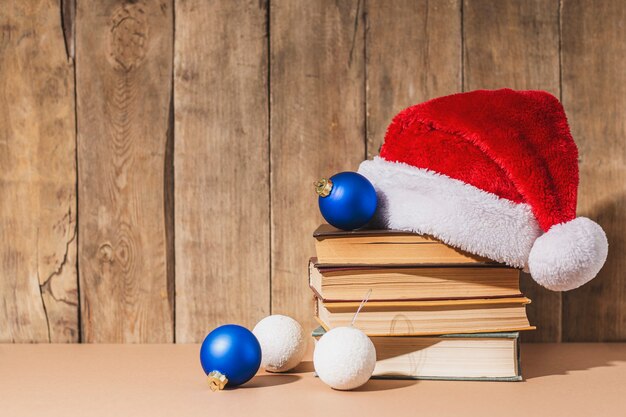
(594, 96)
(38, 285)
(515, 44)
(222, 167)
(317, 129)
(124, 69)
(413, 51)
(202, 141)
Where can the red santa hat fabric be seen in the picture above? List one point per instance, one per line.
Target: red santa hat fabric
(494, 173)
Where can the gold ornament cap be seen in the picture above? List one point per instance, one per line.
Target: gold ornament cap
(323, 187)
(217, 381)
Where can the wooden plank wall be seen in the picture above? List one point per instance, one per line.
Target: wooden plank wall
(123, 90)
(157, 156)
(38, 285)
(222, 166)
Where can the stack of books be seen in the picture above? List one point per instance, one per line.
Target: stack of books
(434, 312)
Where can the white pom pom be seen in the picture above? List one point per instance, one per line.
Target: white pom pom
(283, 342)
(568, 255)
(344, 358)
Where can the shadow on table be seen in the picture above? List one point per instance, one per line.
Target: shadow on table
(270, 380)
(371, 385)
(385, 384)
(302, 368)
(541, 360)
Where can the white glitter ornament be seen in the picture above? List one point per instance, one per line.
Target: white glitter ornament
(344, 358)
(283, 342)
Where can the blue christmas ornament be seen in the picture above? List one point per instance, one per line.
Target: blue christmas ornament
(347, 200)
(231, 355)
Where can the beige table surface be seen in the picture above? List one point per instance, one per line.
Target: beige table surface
(167, 380)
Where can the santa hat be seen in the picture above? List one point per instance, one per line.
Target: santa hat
(494, 173)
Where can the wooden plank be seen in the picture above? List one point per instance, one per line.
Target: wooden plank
(515, 44)
(38, 297)
(413, 55)
(222, 167)
(123, 76)
(594, 95)
(317, 129)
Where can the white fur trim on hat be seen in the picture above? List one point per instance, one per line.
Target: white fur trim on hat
(568, 255)
(459, 214)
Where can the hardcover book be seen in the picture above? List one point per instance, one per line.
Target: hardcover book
(479, 356)
(385, 247)
(418, 318)
(334, 283)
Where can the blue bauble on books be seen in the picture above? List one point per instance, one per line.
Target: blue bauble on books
(347, 200)
(231, 355)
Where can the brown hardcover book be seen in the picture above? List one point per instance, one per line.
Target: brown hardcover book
(417, 318)
(385, 247)
(412, 282)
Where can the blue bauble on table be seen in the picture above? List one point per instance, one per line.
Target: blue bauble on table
(347, 200)
(231, 355)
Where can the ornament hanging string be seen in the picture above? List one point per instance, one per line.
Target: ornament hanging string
(367, 296)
